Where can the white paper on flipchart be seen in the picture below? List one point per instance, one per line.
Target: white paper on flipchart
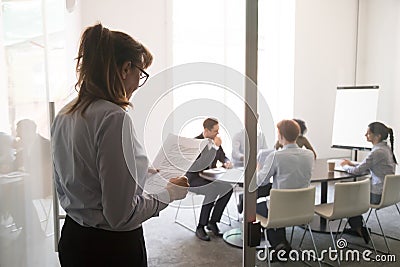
(174, 159)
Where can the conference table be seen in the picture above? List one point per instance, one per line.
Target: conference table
(320, 174)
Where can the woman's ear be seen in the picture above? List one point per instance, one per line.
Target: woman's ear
(126, 67)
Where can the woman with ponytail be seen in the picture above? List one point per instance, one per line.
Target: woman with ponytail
(99, 174)
(380, 162)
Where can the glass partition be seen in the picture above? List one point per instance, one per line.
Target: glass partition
(32, 65)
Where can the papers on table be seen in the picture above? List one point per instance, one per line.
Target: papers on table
(338, 167)
(174, 158)
(215, 171)
(13, 175)
(232, 176)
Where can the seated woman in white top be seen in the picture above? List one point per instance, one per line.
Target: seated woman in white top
(380, 162)
(238, 146)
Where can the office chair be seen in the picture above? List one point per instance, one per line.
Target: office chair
(193, 207)
(350, 199)
(290, 207)
(390, 197)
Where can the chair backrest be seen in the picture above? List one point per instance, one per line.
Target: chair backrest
(391, 191)
(351, 199)
(290, 207)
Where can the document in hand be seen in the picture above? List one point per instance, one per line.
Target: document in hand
(174, 158)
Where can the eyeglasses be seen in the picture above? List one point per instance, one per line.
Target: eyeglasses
(143, 76)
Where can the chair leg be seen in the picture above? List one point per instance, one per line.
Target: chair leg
(194, 212)
(313, 241)
(229, 222)
(291, 236)
(302, 238)
(236, 202)
(333, 242)
(338, 229)
(369, 213)
(268, 255)
(397, 207)
(383, 233)
(369, 234)
(47, 220)
(43, 209)
(194, 216)
(177, 211)
(341, 234)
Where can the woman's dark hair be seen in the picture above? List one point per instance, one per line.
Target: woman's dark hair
(384, 131)
(302, 124)
(100, 57)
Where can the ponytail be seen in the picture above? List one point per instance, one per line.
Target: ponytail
(384, 131)
(101, 54)
(391, 138)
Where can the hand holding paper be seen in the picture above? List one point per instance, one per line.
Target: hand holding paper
(173, 160)
(152, 170)
(177, 155)
(177, 188)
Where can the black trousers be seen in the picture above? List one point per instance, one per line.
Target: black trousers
(88, 246)
(216, 195)
(356, 222)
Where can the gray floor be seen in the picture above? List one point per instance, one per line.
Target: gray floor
(170, 244)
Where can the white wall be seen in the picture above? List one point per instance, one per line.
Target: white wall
(379, 57)
(4, 120)
(73, 30)
(147, 21)
(324, 58)
(325, 40)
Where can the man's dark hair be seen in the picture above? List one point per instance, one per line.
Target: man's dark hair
(209, 123)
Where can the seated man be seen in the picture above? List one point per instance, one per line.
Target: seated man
(33, 156)
(290, 168)
(217, 194)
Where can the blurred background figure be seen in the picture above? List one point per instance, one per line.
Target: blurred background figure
(262, 190)
(238, 145)
(33, 157)
(301, 140)
(6, 153)
(6, 166)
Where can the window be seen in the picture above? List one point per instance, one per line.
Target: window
(214, 31)
(34, 64)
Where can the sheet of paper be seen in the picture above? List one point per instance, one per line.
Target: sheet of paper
(174, 158)
(215, 171)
